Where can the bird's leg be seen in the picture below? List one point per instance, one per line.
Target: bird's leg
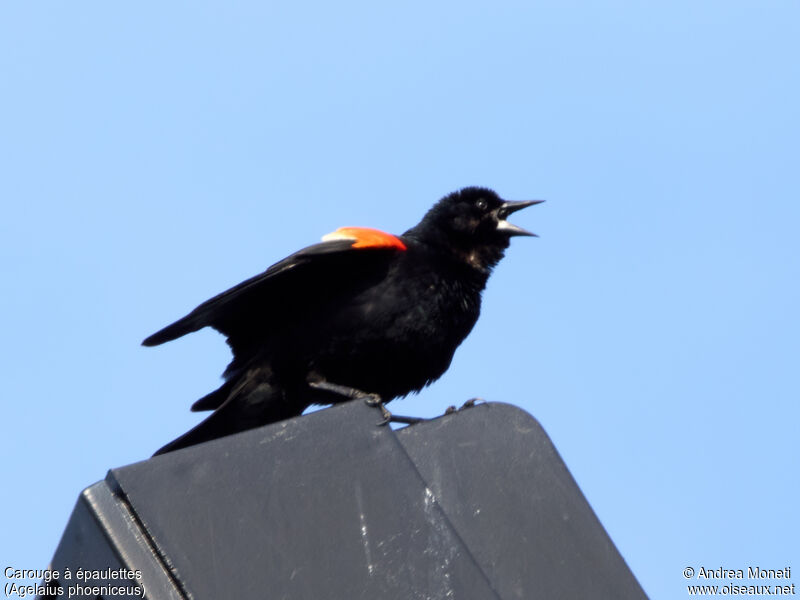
(348, 392)
(370, 399)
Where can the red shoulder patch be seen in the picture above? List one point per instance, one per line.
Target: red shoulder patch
(365, 237)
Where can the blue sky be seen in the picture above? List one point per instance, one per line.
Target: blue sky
(154, 154)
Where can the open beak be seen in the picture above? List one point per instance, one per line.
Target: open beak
(506, 209)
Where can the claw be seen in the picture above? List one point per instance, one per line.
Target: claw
(470, 403)
(387, 416)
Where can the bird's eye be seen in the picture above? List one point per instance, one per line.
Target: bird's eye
(482, 204)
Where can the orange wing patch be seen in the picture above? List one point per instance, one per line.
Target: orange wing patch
(365, 237)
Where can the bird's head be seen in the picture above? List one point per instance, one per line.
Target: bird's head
(473, 222)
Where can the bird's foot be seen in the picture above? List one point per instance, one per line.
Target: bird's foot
(468, 404)
(370, 399)
(405, 420)
(375, 401)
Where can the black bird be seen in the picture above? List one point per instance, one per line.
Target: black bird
(362, 314)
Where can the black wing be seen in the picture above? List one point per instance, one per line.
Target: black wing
(251, 307)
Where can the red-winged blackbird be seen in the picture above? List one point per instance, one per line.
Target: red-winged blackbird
(362, 311)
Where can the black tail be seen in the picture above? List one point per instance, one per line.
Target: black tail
(217, 425)
(250, 402)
